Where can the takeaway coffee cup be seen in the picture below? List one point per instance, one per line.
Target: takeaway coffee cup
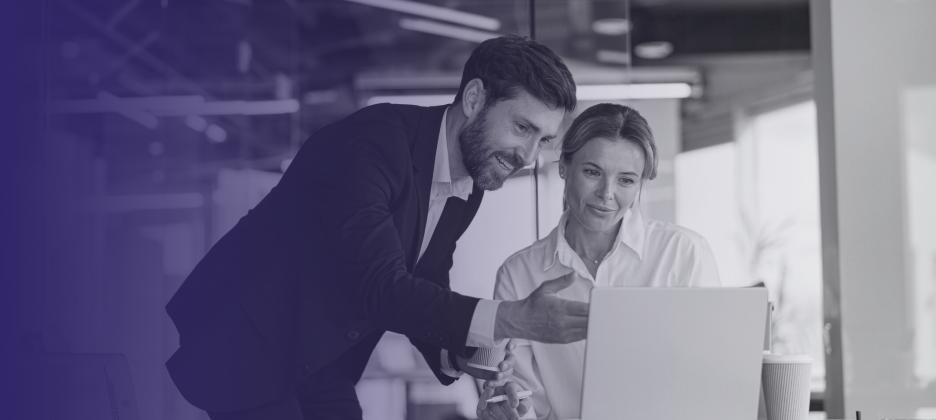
(785, 385)
(488, 358)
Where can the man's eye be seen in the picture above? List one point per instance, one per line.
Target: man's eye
(545, 140)
(522, 128)
(591, 172)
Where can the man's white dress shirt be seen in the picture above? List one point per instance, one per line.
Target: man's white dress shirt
(450, 178)
(645, 254)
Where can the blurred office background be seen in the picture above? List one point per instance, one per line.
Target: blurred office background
(170, 119)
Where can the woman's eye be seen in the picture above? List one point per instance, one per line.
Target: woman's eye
(626, 181)
(545, 140)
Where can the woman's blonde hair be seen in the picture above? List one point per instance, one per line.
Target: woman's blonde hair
(612, 121)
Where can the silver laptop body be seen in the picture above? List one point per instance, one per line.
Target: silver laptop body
(674, 354)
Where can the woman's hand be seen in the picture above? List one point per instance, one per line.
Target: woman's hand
(512, 409)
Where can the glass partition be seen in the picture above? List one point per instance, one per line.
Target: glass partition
(168, 121)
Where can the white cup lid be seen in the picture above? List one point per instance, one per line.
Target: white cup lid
(786, 358)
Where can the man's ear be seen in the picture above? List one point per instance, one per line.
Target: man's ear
(473, 97)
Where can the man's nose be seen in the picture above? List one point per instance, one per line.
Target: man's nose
(528, 155)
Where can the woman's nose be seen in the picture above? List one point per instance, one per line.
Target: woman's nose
(604, 191)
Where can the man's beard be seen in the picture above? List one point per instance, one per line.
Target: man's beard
(478, 157)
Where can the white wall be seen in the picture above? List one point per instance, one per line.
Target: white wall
(505, 223)
(873, 59)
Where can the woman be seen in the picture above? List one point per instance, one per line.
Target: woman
(602, 240)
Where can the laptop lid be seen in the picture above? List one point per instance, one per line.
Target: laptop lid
(667, 354)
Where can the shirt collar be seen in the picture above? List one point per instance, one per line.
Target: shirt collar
(449, 172)
(632, 234)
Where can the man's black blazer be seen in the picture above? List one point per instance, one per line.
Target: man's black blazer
(326, 262)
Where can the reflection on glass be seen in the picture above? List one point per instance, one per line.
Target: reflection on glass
(757, 205)
(782, 227)
(919, 127)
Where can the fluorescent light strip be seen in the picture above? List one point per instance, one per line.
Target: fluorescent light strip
(143, 118)
(584, 93)
(270, 107)
(107, 102)
(159, 106)
(634, 91)
(137, 202)
(421, 100)
(446, 30)
(613, 56)
(435, 12)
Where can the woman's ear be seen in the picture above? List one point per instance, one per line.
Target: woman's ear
(562, 169)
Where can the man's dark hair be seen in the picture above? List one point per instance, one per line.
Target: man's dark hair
(508, 63)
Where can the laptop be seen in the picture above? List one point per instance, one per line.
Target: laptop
(672, 354)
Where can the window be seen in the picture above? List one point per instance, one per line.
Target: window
(756, 200)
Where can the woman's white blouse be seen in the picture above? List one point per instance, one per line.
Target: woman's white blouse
(646, 254)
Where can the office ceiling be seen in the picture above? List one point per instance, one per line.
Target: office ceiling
(220, 44)
(275, 49)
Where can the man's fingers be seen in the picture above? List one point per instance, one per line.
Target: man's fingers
(574, 314)
(578, 334)
(566, 335)
(574, 322)
(555, 285)
(575, 308)
(573, 334)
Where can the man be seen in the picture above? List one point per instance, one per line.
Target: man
(279, 319)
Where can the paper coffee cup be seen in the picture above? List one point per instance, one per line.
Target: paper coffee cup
(785, 384)
(488, 358)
